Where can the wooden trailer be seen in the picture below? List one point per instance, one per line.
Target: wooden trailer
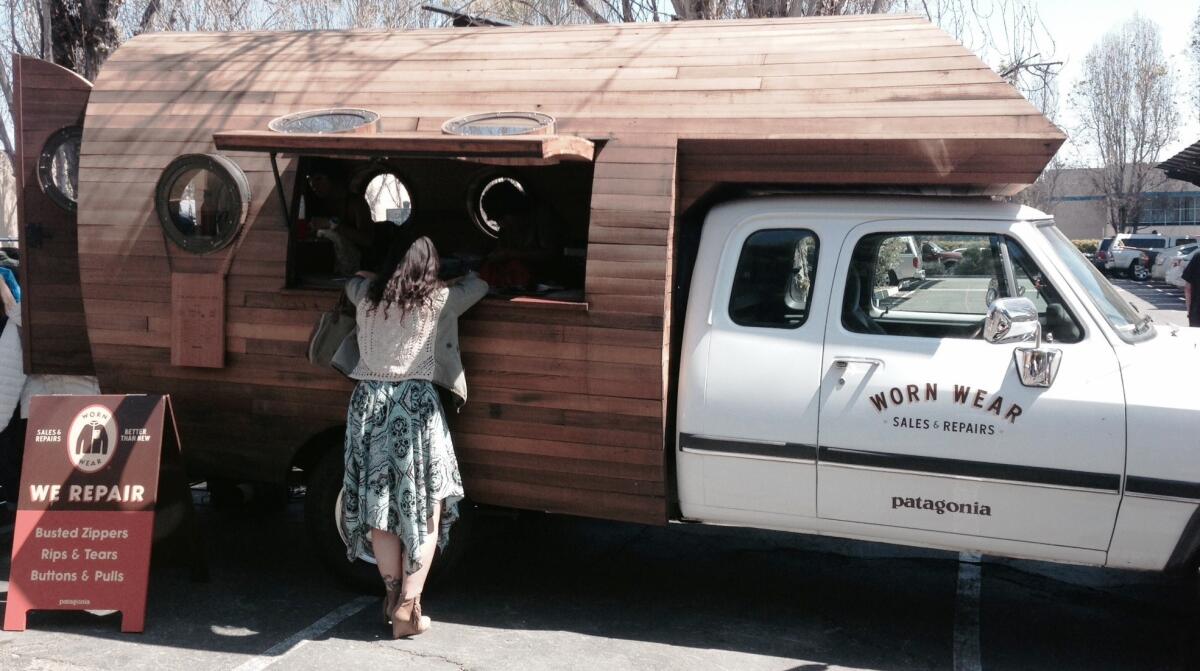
(570, 398)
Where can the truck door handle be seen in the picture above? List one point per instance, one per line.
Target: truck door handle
(845, 361)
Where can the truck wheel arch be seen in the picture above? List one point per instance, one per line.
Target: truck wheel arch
(1185, 558)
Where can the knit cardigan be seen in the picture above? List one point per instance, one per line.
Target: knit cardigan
(421, 344)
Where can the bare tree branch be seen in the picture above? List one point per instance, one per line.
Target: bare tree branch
(590, 11)
(148, 16)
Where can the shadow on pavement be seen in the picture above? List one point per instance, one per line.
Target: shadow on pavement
(702, 591)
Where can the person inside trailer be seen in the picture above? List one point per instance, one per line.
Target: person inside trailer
(529, 249)
(340, 216)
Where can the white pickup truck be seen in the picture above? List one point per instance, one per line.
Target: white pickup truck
(815, 397)
(1134, 254)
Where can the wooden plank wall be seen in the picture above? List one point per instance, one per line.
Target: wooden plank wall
(54, 333)
(568, 405)
(934, 166)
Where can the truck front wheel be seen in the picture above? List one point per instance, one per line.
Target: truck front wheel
(322, 516)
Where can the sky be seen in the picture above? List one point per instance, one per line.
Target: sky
(1076, 25)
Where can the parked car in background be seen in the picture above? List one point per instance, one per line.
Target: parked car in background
(1100, 258)
(932, 252)
(1131, 253)
(1162, 260)
(907, 260)
(1174, 274)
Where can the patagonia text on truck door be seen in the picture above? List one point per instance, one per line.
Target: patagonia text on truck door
(925, 424)
(750, 369)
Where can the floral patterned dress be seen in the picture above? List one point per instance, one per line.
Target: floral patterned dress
(399, 464)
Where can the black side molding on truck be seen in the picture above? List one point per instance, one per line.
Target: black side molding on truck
(974, 469)
(1056, 477)
(794, 451)
(1176, 489)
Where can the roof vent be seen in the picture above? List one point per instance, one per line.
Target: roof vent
(332, 120)
(501, 123)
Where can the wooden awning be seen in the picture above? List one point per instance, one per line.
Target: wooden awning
(513, 149)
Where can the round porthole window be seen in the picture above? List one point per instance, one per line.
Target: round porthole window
(202, 201)
(501, 123)
(388, 199)
(58, 167)
(494, 197)
(332, 120)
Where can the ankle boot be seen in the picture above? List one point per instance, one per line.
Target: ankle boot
(391, 599)
(407, 619)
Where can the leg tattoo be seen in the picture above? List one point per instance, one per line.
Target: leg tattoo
(392, 597)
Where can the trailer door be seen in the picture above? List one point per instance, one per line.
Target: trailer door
(750, 369)
(48, 124)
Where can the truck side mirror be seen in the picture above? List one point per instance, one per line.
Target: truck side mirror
(1011, 320)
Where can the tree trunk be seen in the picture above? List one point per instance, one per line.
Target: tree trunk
(47, 28)
(100, 33)
(66, 35)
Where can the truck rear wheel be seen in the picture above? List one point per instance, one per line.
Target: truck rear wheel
(322, 516)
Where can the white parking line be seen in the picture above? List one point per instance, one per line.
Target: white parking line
(285, 647)
(966, 614)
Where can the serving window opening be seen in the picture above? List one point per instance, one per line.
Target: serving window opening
(523, 228)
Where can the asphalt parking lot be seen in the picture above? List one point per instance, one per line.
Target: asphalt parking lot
(547, 592)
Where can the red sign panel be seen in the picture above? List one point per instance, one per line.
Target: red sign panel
(85, 517)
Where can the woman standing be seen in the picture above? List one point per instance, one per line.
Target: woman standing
(402, 486)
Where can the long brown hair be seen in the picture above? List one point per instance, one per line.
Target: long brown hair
(409, 278)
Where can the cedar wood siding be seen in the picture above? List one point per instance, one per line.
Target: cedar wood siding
(568, 406)
(53, 330)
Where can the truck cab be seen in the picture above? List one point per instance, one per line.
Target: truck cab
(815, 395)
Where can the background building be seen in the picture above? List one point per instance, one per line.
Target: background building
(1078, 207)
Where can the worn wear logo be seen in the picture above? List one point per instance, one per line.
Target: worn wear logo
(908, 398)
(91, 440)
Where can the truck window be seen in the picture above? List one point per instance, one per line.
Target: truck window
(1058, 324)
(773, 283)
(1126, 321)
(1145, 243)
(945, 291)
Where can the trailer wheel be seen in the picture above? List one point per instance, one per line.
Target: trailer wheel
(322, 515)
(321, 500)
